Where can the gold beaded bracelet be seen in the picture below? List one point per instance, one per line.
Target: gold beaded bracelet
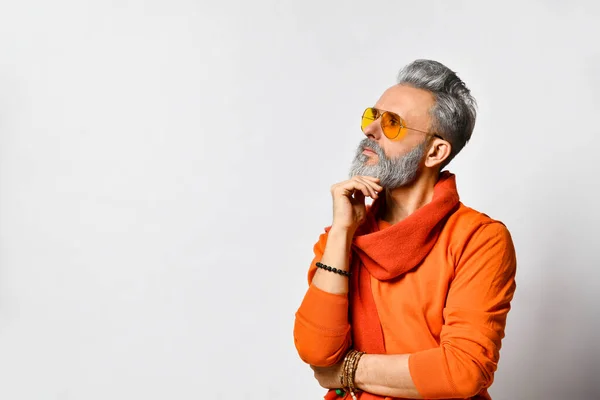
(348, 372)
(344, 372)
(352, 377)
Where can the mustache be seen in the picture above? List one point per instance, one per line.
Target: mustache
(372, 145)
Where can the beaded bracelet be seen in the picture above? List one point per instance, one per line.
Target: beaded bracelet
(335, 270)
(353, 369)
(348, 373)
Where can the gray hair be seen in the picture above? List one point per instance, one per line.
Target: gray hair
(455, 109)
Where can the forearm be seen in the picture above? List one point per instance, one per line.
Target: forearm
(386, 375)
(321, 330)
(336, 255)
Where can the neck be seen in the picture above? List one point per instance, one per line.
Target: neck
(405, 200)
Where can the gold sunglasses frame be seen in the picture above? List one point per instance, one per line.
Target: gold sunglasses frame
(381, 113)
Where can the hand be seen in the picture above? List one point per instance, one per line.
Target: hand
(328, 377)
(349, 201)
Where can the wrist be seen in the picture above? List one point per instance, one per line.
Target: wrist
(349, 371)
(341, 232)
(361, 372)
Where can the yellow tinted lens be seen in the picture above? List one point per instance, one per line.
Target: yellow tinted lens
(392, 125)
(368, 117)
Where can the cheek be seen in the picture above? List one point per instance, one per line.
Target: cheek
(394, 151)
(388, 148)
(401, 148)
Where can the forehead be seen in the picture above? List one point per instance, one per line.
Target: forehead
(407, 101)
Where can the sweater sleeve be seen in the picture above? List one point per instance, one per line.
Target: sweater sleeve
(321, 329)
(477, 305)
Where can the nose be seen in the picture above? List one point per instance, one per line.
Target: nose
(373, 130)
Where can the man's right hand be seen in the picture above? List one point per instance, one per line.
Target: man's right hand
(349, 209)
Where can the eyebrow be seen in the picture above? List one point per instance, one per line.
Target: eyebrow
(393, 112)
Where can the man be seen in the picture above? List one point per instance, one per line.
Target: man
(408, 297)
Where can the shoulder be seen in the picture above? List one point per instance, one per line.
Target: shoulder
(465, 221)
(472, 230)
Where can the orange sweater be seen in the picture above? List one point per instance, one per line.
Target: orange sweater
(448, 313)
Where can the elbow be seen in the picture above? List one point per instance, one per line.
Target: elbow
(315, 357)
(469, 388)
(320, 350)
(470, 378)
(321, 329)
(448, 372)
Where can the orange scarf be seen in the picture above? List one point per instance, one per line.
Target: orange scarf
(386, 255)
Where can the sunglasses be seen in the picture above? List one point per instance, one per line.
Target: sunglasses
(392, 125)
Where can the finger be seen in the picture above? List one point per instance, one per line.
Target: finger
(368, 185)
(370, 178)
(374, 182)
(362, 192)
(359, 196)
(373, 187)
(347, 185)
(349, 188)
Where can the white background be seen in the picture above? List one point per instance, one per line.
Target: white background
(165, 170)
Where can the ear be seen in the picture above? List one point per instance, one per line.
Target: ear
(438, 152)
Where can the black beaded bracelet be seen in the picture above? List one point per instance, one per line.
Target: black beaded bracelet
(335, 270)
